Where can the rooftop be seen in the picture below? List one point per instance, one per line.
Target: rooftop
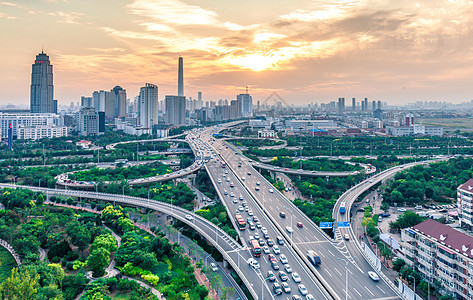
(467, 186)
(447, 236)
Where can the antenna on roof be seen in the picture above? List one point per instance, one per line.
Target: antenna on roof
(247, 89)
(42, 49)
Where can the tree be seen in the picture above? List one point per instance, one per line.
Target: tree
(98, 260)
(429, 192)
(227, 292)
(19, 286)
(106, 241)
(398, 264)
(408, 219)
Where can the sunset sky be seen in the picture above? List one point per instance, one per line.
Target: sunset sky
(306, 50)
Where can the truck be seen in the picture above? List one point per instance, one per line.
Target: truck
(313, 257)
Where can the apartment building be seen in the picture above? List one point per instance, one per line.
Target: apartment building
(441, 253)
(465, 204)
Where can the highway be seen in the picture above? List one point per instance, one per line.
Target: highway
(232, 251)
(300, 172)
(334, 255)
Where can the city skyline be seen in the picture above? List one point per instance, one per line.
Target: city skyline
(312, 51)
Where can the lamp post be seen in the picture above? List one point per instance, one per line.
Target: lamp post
(414, 284)
(346, 276)
(39, 184)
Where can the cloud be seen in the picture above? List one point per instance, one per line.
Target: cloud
(8, 17)
(68, 17)
(12, 5)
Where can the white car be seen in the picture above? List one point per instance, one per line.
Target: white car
(283, 259)
(276, 250)
(288, 268)
(402, 209)
(256, 236)
(266, 250)
(289, 229)
(303, 289)
(309, 297)
(243, 178)
(232, 194)
(253, 263)
(296, 277)
(219, 181)
(258, 183)
(235, 200)
(373, 276)
(250, 212)
(240, 208)
(264, 230)
(271, 190)
(189, 217)
(214, 267)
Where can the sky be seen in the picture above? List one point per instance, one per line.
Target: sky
(307, 51)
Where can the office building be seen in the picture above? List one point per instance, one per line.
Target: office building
(414, 130)
(41, 131)
(119, 96)
(442, 254)
(409, 119)
(86, 102)
(465, 205)
(109, 105)
(148, 105)
(341, 105)
(27, 121)
(246, 105)
(99, 100)
(353, 104)
(180, 78)
(89, 122)
(175, 110)
(365, 104)
(42, 89)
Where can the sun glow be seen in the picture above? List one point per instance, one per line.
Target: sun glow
(255, 61)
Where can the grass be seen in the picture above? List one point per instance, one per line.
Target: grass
(448, 124)
(7, 263)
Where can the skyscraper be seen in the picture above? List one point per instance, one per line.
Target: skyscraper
(175, 110)
(246, 105)
(42, 89)
(149, 105)
(120, 101)
(353, 104)
(180, 78)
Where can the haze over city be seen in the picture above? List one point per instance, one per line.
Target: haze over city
(307, 51)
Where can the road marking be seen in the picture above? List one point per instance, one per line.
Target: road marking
(381, 290)
(346, 293)
(330, 252)
(307, 238)
(328, 272)
(357, 292)
(338, 271)
(350, 271)
(369, 291)
(322, 254)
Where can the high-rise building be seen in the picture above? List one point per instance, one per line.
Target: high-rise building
(99, 99)
(89, 122)
(86, 102)
(366, 104)
(409, 119)
(42, 88)
(180, 78)
(246, 105)
(109, 105)
(120, 101)
(353, 104)
(149, 105)
(341, 104)
(175, 110)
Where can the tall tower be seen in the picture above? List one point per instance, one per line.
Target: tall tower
(149, 105)
(42, 89)
(180, 78)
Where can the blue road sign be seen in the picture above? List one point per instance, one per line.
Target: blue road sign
(343, 224)
(325, 225)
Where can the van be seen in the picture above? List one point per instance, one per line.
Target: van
(313, 257)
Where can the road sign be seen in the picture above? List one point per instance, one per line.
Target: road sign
(325, 225)
(343, 224)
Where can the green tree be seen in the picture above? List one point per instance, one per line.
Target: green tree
(429, 192)
(98, 260)
(19, 286)
(106, 241)
(408, 219)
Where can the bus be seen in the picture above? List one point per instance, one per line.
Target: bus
(240, 221)
(342, 207)
(255, 248)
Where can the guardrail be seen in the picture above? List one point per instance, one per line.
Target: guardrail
(12, 251)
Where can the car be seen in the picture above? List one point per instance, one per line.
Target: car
(241, 198)
(225, 192)
(252, 225)
(244, 203)
(253, 263)
(296, 297)
(257, 188)
(255, 219)
(270, 242)
(243, 178)
(275, 266)
(272, 258)
(249, 173)
(271, 190)
(250, 238)
(270, 275)
(232, 185)
(280, 240)
(299, 224)
(235, 200)
(247, 208)
(276, 250)
(289, 229)
(282, 275)
(266, 249)
(228, 179)
(248, 220)
(296, 277)
(258, 224)
(189, 217)
(213, 266)
(258, 183)
(264, 230)
(373, 276)
(232, 194)
(282, 214)
(288, 268)
(418, 207)
(256, 236)
(261, 242)
(277, 288)
(309, 297)
(302, 289)
(346, 236)
(219, 181)
(266, 236)
(371, 180)
(240, 208)
(285, 287)
(401, 209)
(250, 212)
(283, 259)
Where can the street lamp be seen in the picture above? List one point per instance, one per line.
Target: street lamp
(39, 184)
(346, 276)
(414, 284)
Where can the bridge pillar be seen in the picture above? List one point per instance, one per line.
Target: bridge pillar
(225, 263)
(272, 174)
